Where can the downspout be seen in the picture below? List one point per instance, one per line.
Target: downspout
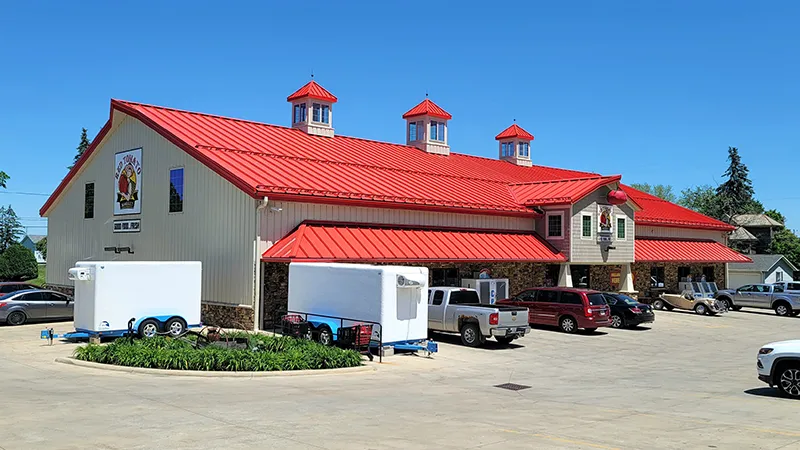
(260, 205)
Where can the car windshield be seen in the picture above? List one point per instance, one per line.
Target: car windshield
(626, 299)
(596, 299)
(464, 297)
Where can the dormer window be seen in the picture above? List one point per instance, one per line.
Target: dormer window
(299, 113)
(507, 148)
(515, 145)
(412, 131)
(321, 113)
(524, 150)
(437, 131)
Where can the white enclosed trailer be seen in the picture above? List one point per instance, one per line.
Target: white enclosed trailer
(396, 297)
(160, 296)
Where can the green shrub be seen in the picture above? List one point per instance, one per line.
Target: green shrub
(265, 353)
(18, 263)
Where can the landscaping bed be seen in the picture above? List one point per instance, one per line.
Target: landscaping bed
(260, 353)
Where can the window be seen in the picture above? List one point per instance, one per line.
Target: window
(626, 299)
(507, 148)
(547, 297)
(776, 288)
(412, 131)
(299, 113)
(596, 299)
(610, 300)
(464, 298)
(523, 149)
(551, 273)
(657, 277)
(708, 272)
(88, 201)
(778, 276)
(527, 296)
(176, 190)
(321, 113)
(586, 226)
(746, 288)
(437, 131)
(621, 228)
(571, 298)
(581, 277)
(683, 273)
(438, 297)
(554, 225)
(444, 277)
(793, 286)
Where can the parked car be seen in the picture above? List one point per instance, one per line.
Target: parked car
(779, 365)
(19, 307)
(792, 287)
(459, 310)
(7, 287)
(690, 302)
(567, 308)
(762, 296)
(627, 312)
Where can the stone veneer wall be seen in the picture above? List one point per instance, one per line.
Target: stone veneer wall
(641, 275)
(274, 291)
(600, 277)
(227, 316)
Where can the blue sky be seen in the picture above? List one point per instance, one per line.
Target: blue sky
(655, 91)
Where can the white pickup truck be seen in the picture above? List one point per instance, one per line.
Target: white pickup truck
(459, 310)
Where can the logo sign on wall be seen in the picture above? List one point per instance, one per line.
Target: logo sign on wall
(605, 222)
(127, 175)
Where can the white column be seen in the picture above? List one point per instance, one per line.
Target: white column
(626, 284)
(565, 276)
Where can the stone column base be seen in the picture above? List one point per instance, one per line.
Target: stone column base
(227, 316)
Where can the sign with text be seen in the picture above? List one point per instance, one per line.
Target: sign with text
(127, 226)
(605, 221)
(127, 176)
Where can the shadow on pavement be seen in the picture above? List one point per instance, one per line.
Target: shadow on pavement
(558, 330)
(763, 392)
(490, 344)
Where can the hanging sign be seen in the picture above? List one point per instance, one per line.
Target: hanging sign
(605, 223)
(127, 176)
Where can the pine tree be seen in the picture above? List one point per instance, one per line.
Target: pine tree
(3, 178)
(82, 146)
(736, 193)
(10, 228)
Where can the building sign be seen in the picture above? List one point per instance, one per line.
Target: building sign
(605, 220)
(615, 278)
(127, 226)
(127, 176)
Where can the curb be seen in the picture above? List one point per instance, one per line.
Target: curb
(216, 374)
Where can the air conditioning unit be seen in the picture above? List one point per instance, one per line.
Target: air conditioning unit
(489, 289)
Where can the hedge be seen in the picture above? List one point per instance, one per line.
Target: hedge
(265, 353)
(18, 263)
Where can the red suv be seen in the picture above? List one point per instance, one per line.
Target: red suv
(567, 308)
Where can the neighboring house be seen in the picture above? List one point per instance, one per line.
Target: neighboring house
(763, 269)
(248, 198)
(754, 232)
(30, 241)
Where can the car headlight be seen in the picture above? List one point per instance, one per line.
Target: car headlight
(765, 351)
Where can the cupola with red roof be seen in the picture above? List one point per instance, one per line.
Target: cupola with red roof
(426, 127)
(312, 109)
(515, 145)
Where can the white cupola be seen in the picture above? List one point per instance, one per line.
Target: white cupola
(312, 109)
(515, 145)
(426, 127)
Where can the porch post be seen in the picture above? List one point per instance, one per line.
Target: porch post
(626, 284)
(565, 276)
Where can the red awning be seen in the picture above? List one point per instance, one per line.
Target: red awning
(318, 242)
(675, 250)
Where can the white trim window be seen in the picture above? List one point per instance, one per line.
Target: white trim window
(555, 225)
(778, 275)
(622, 229)
(586, 226)
(412, 131)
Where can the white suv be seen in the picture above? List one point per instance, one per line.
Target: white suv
(779, 365)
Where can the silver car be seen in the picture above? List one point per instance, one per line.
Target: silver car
(19, 307)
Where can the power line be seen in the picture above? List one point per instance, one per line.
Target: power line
(25, 193)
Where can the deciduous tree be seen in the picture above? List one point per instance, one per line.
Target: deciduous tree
(663, 191)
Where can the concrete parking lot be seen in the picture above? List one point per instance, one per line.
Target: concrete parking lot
(688, 382)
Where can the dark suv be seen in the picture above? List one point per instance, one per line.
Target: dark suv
(567, 308)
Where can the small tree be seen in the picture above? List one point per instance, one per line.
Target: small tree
(10, 228)
(663, 191)
(82, 146)
(18, 263)
(41, 246)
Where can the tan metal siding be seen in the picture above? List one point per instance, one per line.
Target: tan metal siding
(280, 218)
(588, 250)
(217, 226)
(686, 233)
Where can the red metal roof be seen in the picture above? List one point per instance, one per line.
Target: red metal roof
(554, 192)
(429, 108)
(514, 131)
(313, 90)
(659, 212)
(676, 250)
(315, 241)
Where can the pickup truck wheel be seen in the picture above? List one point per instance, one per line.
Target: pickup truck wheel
(727, 302)
(471, 335)
(789, 380)
(504, 340)
(568, 324)
(783, 309)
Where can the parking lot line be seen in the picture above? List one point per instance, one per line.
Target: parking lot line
(560, 439)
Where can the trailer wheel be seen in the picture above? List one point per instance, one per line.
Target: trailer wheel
(148, 328)
(175, 326)
(325, 336)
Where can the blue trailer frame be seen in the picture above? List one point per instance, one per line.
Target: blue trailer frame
(82, 333)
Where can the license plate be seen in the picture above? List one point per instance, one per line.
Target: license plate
(602, 313)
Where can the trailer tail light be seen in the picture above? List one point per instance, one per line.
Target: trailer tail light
(636, 310)
(494, 319)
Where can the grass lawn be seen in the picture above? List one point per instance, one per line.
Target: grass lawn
(42, 277)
